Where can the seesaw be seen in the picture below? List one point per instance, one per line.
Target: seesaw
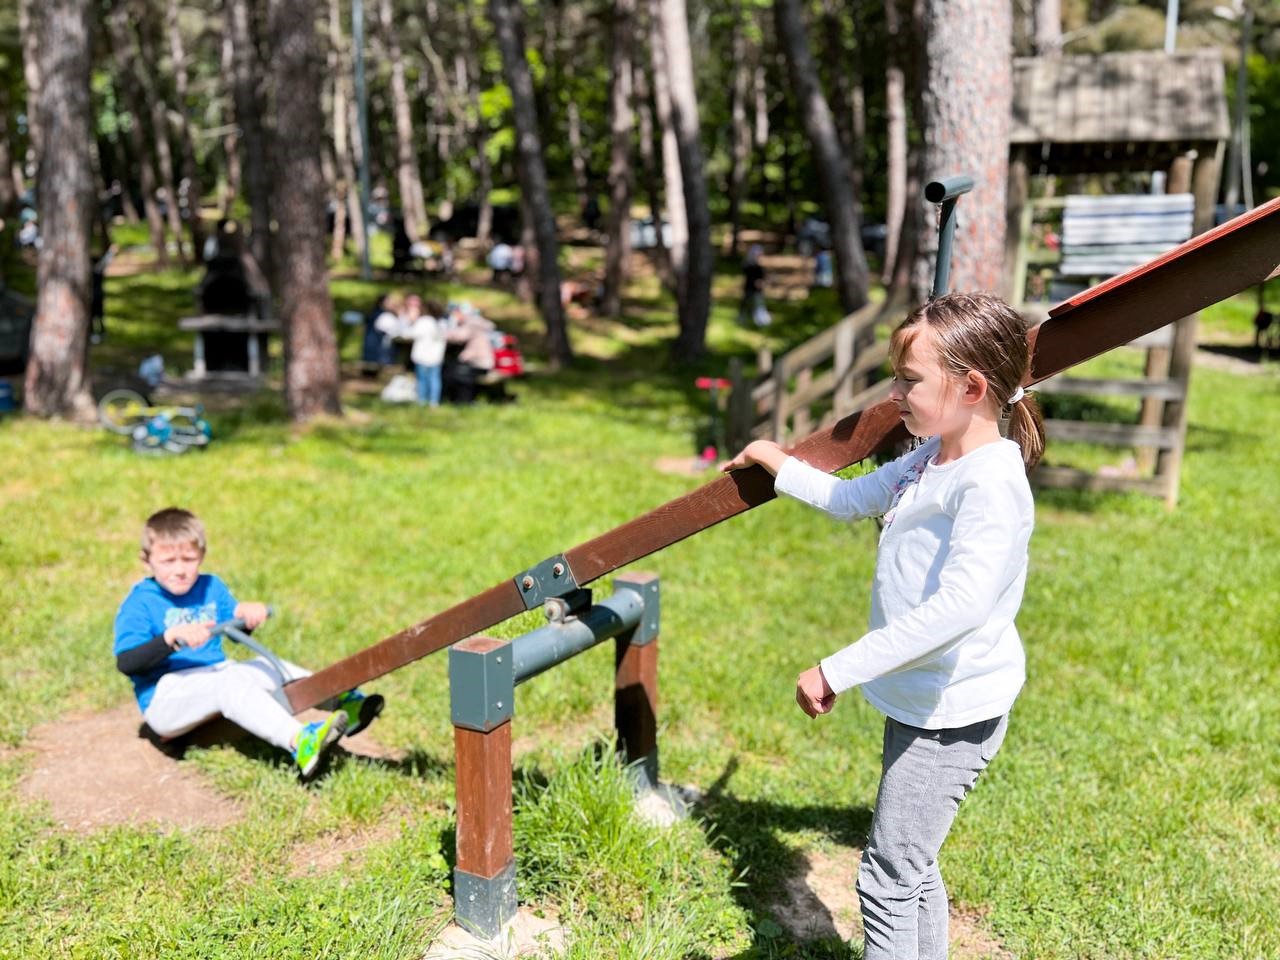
(1208, 268)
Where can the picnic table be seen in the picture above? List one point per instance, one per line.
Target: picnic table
(229, 344)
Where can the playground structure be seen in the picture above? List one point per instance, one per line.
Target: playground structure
(1108, 116)
(1202, 271)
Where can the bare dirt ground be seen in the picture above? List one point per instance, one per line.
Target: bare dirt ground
(93, 770)
(821, 902)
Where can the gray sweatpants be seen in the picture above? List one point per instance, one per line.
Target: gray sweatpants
(247, 692)
(926, 774)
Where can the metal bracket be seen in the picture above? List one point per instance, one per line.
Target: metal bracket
(560, 609)
(481, 684)
(483, 904)
(646, 585)
(551, 578)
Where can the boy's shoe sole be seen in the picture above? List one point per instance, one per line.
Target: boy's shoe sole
(370, 707)
(335, 725)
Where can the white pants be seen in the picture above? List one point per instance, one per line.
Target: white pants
(249, 693)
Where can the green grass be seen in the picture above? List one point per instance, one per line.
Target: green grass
(1132, 812)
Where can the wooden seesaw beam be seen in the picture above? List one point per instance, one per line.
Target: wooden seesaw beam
(1206, 269)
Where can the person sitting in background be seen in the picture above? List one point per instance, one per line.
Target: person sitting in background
(382, 325)
(469, 329)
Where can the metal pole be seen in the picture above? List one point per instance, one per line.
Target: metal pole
(945, 192)
(362, 114)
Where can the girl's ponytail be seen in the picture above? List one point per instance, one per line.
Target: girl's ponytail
(1026, 428)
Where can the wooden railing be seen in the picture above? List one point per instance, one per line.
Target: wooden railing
(824, 379)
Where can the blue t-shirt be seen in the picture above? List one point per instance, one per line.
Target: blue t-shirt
(149, 610)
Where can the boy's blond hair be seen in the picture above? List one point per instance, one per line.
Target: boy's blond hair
(172, 525)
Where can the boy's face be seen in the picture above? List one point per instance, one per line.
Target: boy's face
(175, 566)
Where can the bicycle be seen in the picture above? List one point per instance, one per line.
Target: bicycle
(153, 429)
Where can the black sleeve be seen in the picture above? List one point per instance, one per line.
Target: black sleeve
(143, 657)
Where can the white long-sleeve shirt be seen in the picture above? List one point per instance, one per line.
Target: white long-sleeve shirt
(941, 649)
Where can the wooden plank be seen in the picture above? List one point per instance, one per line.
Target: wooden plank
(1160, 389)
(1206, 269)
(1071, 478)
(1111, 434)
(483, 791)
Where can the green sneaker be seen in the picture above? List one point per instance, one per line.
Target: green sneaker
(315, 738)
(361, 710)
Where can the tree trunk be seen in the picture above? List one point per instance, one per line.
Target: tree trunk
(829, 161)
(412, 202)
(56, 382)
(29, 12)
(344, 174)
(1047, 16)
(10, 189)
(311, 375)
(741, 135)
(230, 189)
(966, 95)
(195, 186)
(895, 96)
(159, 113)
(695, 307)
(125, 49)
(480, 137)
(253, 140)
(618, 247)
(506, 16)
(647, 102)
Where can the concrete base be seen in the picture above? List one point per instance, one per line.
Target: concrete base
(665, 804)
(526, 935)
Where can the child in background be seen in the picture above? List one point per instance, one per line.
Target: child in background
(427, 353)
(181, 677)
(942, 658)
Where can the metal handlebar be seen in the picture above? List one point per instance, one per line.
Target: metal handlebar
(946, 192)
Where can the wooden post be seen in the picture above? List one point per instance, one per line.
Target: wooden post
(1152, 414)
(481, 682)
(635, 696)
(1015, 232)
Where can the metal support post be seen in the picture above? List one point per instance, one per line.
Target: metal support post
(480, 693)
(945, 192)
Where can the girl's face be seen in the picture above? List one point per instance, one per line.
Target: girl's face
(928, 397)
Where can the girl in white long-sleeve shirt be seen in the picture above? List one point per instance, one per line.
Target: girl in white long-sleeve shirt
(941, 657)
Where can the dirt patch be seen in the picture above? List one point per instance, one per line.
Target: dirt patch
(94, 770)
(819, 901)
(334, 850)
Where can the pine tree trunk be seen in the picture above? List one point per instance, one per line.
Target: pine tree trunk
(672, 180)
(695, 308)
(9, 190)
(159, 112)
(230, 189)
(181, 85)
(1047, 17)
(344, 175)
(56, 381)
(256, 165)
(412, 202)
(741, 135)
(895, 96)
(311, 375)
(506, 16)
(125, 49)
(29, 13)
(966, 96)
(830, 163)
(618, 247)
(479, 138)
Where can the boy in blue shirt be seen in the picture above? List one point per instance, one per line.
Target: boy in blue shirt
(181, 677)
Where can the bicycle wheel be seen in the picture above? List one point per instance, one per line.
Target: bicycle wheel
(121, 410)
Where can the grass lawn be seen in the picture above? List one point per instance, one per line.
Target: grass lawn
(1133, 811)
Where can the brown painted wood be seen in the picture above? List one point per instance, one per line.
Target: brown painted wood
(478, 613)
(484, 841)
(635, 698)
(1204, 270)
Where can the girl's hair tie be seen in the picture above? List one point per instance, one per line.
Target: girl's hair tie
(1016, 397)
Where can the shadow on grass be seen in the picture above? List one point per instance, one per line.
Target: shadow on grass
(755, 829)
